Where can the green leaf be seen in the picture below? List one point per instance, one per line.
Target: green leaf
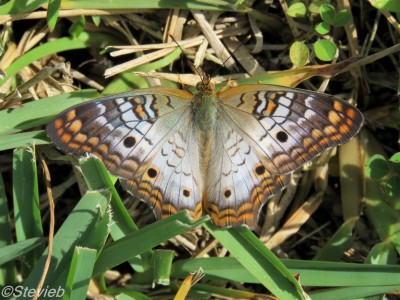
(328, 13)
(330, 16)
(381, 254)
(395, 158)
(52, 13)
(387, 5)
(342, 18)
(297, 10)
(96, 20)
(377, 167)
(323, 28)
(316, 4)
(77, 27)
(392, 189)
(325, 50)
(299, 54)
(383, 217)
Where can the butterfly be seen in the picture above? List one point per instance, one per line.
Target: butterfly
(226, 152)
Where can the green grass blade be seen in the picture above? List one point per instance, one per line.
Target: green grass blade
(162, 266)
(86, 226)
(127, 292)
(23, 140)
(28, 223)
(143, 240)
(97, 177)
(353, 293)
(18, 6)
(62, 44)
(7, 270)
(124, 297)
(215, 268)
(10, 252)
(258, 260)
(312, 273)
(382, 253)
(333, 250)
(208, 291)
(319, 273)
(80, 273)
(40, 112)
(140, 4)
(53, 11)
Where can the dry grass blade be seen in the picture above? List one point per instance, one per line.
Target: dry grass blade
(220, 50)
(185, 79)
(136, 48)
(243, 56)
(51, 226)
(137, 62)
(70, 13)
(293, 224)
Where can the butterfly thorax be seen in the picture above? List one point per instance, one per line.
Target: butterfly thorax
(205, 108)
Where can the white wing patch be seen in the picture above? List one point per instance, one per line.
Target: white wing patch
(237, 182)
(172, 181)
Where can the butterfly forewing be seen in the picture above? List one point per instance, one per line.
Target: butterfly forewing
(121, 130)
(288, 127)
(145, 137)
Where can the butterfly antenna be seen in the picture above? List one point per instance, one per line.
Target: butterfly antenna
(230, 56)
(192, 66)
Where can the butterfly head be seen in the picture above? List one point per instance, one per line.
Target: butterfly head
(205, 86)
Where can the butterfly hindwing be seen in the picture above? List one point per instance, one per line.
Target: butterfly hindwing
(288, 127)
(172, 181)
(237, 182)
